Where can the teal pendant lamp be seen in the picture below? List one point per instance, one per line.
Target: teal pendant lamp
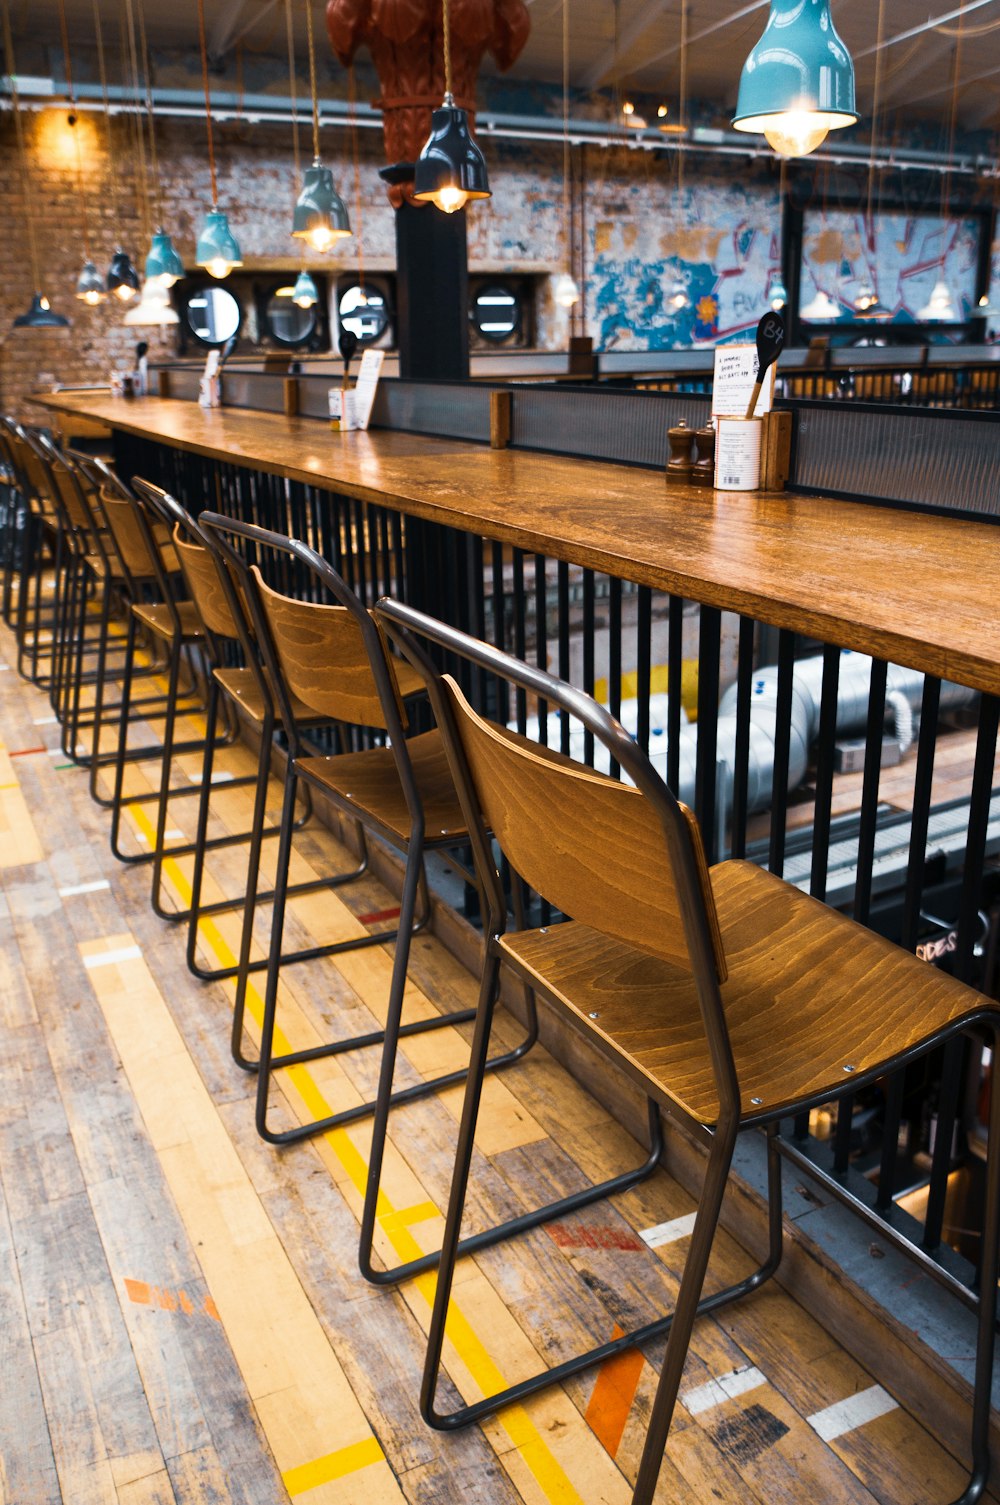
(451, 169)
(40, 316)
(320, 216)
(777, 294)
(304, 293)
(163, 264)
(798, 82)
(218, 250)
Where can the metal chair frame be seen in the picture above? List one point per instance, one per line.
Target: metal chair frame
(225, 530)
(410, 629)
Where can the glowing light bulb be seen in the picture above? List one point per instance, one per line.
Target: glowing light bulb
(44, 302)
(92, 298)
(566, 291)
(321, 237)
(451, 198)
(628, 108)
(166, 279)
(124, 293)
(218, 267)
(663, 112)
(796, 133)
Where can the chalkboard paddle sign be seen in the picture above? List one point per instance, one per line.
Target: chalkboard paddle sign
(770, 340)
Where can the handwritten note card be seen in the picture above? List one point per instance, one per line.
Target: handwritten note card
(736, 368)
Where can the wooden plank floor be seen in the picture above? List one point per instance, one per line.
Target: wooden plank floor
(181, 1316)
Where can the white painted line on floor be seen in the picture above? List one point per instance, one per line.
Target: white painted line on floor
(83, 888)
(112, 958)
(725, 1387)
(223, 777)
(55, 752)
(44, 720)
(168, 836)
(851, 1413)
(668, 1233)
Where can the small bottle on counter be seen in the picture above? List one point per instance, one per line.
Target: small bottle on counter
(703, 473)
(681, 461)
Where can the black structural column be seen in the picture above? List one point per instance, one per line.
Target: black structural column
(432, 292)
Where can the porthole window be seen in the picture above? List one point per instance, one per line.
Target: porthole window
(287, 321)
(364, 312)
(496, 313)
(213, 314)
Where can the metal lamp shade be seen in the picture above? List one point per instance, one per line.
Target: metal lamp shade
(304, 294)
(123, 279)
(320, 214)
(153, 308)
(90, 287)
(218, 250)
(40, 316)
(798, 82)
(451, 169)
(163, 263)
(777, 294)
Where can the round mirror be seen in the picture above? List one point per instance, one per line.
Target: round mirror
(287, 321)
(213, 314)
(363, 311)
(496, 313)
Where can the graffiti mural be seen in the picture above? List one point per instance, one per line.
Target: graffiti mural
(901, 257)
(669, 273)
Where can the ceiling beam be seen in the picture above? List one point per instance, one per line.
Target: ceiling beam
(232, 24)
(604, 68)
(915, 31)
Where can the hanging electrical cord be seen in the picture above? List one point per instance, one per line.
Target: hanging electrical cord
(90, 287)
(352, 102)
(567, 294)
(320, 216)
(154, 161)
(130, 83)
(208, 103)
(312, 78)
(217, 250)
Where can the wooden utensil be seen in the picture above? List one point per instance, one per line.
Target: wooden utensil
(348, 344)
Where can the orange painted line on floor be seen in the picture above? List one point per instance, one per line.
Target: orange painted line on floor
(144, 1294)
(377, 915)
(26, 752)
(612, 1397)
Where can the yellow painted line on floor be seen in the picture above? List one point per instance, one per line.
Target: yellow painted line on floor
(19, 843)
(407, 1216)
(349, 1460)
(473, 1353)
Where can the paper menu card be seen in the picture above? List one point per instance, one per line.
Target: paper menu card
(736, 368)
(366, 386)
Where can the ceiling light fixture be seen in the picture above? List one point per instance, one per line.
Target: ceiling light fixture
(304, 293)
(320, 217)
(451, 169)
(217, 250)
(39, 315)
(798, 82)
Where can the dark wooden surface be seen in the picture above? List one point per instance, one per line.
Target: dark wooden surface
(915, 589)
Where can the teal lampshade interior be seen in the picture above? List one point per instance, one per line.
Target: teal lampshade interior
(163, 262)
(450, 169)
(777, 293)
(218, 249)
(40, 316)
(123, 279)
(320, 213)
(304, 292)
(799, 65)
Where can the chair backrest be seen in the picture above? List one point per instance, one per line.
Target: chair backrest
(323, 656)
(199, 563)
(582, 840)
(626, 861)
(68, 491)
(131, 540)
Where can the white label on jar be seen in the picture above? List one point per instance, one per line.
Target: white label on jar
(737, 454)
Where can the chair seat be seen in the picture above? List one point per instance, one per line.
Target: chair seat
(241, 686)
(369, 781)
(98, 565)
(159, 619)
(809, 993)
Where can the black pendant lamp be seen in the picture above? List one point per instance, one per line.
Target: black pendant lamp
(40, 316)
(451, 169)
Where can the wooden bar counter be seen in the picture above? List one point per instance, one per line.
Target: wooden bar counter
(916, 589)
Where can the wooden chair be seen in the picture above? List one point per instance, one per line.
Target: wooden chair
(40, 573)
(729, 997)
(331, 659)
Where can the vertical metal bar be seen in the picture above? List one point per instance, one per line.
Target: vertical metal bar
(520, 610)
(644, 664)
(541, 643)
(501, 688)
(589, 630)
(563, 626)
(615, 655)
(825, 768)
(675, 676)
(782, 745)
(709, 645)
(869, 793)
(744, 687)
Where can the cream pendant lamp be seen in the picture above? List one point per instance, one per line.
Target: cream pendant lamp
(798, 82)
(821, 309)
(40, 314)
(217, 249)
(153, 307)
(451, 169)
(567, 294)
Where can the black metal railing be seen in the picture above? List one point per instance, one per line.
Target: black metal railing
(920, 864)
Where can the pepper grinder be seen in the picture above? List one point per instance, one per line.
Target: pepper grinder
(681, 462)
(703, 473)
